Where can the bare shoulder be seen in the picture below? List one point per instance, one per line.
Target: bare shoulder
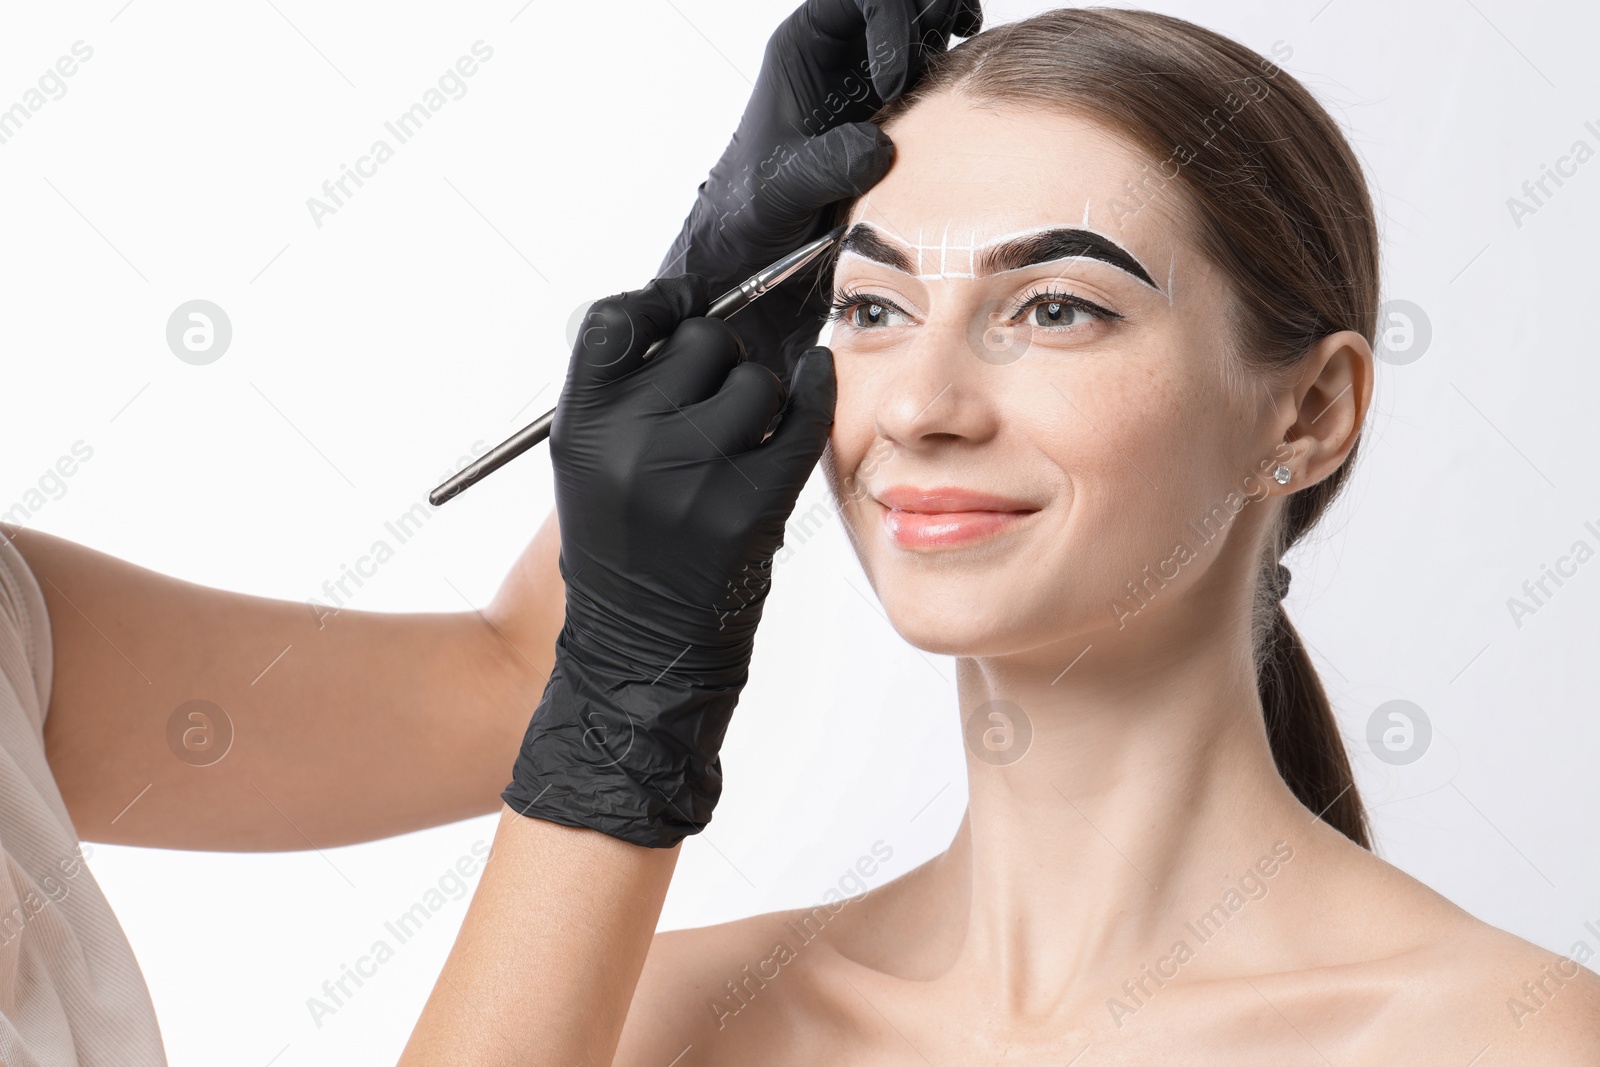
(713, 995)
(1398, 973)
(768, 988)
(1479, 990)
(1536, 1006)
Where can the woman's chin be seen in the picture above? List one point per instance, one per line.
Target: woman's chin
(994, 625)
(948, 632)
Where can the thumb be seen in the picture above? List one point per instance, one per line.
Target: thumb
(802, 431)
(838, 165)
(617, 330)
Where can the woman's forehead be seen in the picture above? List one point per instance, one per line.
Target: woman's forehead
(983, 172)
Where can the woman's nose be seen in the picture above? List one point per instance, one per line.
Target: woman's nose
(938, 389)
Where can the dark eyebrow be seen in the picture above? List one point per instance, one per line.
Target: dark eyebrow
(864, 241)
(1060, 244)
(1043, 247)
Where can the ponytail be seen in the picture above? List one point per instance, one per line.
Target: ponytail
(1303, 732)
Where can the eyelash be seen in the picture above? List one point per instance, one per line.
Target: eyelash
(846, 301)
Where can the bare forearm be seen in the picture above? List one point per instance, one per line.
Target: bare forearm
(546, 962)
(345, 727)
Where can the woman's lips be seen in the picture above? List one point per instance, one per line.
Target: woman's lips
(947, 516)
(946, 529)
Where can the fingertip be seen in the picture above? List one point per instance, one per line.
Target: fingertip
(869, 154)
(820, 352)
(969, 22)
(871, 139)
(840, 164)
(618, 330)
(814, 377)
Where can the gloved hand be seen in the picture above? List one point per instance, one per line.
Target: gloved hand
(801, 147)
(671, 509)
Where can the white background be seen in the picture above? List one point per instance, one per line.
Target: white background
(426, 319)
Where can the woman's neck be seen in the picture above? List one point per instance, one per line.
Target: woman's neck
(1147, 791)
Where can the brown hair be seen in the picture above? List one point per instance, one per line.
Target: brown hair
(1277, 199)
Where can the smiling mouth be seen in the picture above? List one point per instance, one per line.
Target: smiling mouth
(947, 517)
(947, 529)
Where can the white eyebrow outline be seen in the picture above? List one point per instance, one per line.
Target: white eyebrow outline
(973, 251)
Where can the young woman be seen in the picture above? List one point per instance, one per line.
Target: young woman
(1102, 352)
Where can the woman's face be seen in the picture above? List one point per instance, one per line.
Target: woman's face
(1089, 391)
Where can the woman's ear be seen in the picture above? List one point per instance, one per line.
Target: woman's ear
(1329, 405)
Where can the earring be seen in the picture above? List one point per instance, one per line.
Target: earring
(1282, 474)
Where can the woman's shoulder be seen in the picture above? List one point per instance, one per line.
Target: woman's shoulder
(736, 992)
(1379, 968)
(1481, 996)
(1433, 976)
(1498, 997)
(1526, 1003)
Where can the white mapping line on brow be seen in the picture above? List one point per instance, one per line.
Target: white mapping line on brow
(1172, 265)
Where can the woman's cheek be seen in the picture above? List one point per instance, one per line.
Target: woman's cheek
(852, 432)
(844, 457)
(1144, 413)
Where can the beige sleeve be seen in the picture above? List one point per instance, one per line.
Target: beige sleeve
(28, 661)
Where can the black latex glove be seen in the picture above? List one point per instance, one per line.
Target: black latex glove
(671, 509)
(801, 147)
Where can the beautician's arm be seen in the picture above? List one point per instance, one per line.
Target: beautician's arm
(545, 965)
(662, 514)
(370, 725)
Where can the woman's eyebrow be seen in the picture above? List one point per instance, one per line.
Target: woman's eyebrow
(1009, 253)
(864, 241)
(1059, 243)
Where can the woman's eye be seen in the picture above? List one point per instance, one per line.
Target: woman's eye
(1058, 313)
(867, 315)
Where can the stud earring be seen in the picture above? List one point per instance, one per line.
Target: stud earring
(1282, 474)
